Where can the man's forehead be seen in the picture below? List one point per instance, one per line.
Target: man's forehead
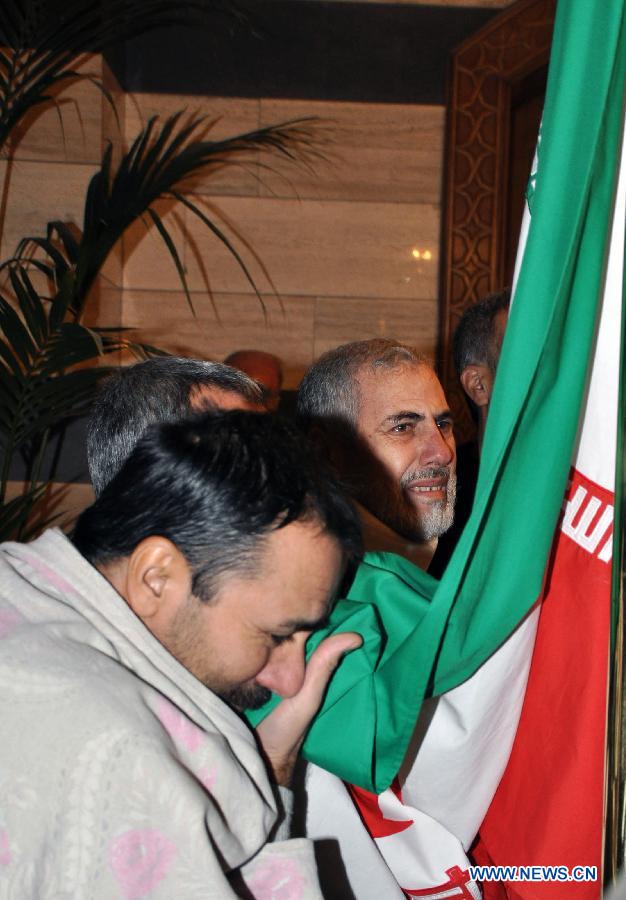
(388, 391)
(295, 579)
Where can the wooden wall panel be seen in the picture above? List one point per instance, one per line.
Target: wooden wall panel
(486, 69)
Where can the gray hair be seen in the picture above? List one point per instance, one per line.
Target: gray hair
(330, 388)
(153, 392)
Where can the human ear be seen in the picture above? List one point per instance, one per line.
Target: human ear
(477, 381)
(158, 581)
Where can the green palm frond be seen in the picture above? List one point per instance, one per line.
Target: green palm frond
(40, 49)
(47, 356)
(159, 162)
(43, 344)
(157, 165)
(45, 338)
(43, 380)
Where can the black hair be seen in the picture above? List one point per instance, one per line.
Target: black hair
(157, 390)
(215, 485)
(474, 340)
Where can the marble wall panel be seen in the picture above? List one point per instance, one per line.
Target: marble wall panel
(311, 248)
(112, 272)
(339, 320)
(373, 151)
(39, 193)
(113, 105)
(105, 306)
(70, 128)
(147, 261)
(224, 323)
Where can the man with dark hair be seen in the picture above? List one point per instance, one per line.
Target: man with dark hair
(477, 344)
(161, 389)
(131, 401)
(189, 591)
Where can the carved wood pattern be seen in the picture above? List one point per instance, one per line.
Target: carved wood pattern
(485, 70)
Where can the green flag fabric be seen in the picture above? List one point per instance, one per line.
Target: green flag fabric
(425, 637)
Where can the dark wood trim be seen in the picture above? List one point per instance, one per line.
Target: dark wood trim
(486, 71)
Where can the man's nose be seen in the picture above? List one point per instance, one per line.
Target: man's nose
(284, 673)
(438, 449)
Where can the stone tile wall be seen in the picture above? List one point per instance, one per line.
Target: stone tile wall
(332, 251)
(342, 250)
(331, 248)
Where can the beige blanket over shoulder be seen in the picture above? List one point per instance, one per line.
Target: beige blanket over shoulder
(120, 774)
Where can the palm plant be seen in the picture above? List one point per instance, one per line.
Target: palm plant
(41, 48)
(47, 353)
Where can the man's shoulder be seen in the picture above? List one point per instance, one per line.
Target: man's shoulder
(59, 668)
(88, 711)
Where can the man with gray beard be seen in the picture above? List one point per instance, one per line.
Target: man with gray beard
(377, 409)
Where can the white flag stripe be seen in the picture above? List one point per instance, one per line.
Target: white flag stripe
(332, 818)
(600, 417)
(461, 758)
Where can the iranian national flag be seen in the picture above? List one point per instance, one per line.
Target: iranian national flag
(549, 807)
(557, 389)
(468, 639)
